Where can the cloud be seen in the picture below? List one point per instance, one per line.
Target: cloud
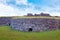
(22, 7)
(13, 10)
(7, 10)
(21, 2)
(52, 7)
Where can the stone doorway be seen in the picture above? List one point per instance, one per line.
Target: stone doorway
(30, 29)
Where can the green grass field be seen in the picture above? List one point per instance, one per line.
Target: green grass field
(6, 33)
(47, 17)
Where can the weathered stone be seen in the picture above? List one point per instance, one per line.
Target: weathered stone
(5, 21)
(35, 24)
(31, 24)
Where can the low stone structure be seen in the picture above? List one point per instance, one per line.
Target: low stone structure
(41, 14)
(35, 24)
(44, 14)
(30, 24)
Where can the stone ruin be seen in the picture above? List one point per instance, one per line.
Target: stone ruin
(41, 14)
(31, 24)
(35, 24)
(5, 21)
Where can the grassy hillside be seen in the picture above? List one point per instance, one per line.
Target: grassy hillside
(6, 33)
(50, 17)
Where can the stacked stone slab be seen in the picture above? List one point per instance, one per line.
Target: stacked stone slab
(35, 24)
(5, 21)
(30, 24)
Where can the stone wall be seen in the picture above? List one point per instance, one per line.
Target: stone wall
(4, 21)
(35, 24)
(30, 24)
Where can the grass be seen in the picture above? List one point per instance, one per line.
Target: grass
(6, 33)
(48, 17)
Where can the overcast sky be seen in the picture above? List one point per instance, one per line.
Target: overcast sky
(22, 7)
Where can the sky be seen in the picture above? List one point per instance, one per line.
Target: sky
(22, 7)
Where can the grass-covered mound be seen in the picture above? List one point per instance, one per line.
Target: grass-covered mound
(6, 33)
(47, 17)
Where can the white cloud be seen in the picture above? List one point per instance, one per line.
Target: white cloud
(7, 10)
(21, 2)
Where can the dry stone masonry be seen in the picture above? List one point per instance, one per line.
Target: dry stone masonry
(5, 21)
(35, 24)
(30, 24)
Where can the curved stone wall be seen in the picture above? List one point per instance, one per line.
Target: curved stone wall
(35, 24)
(30, 24)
